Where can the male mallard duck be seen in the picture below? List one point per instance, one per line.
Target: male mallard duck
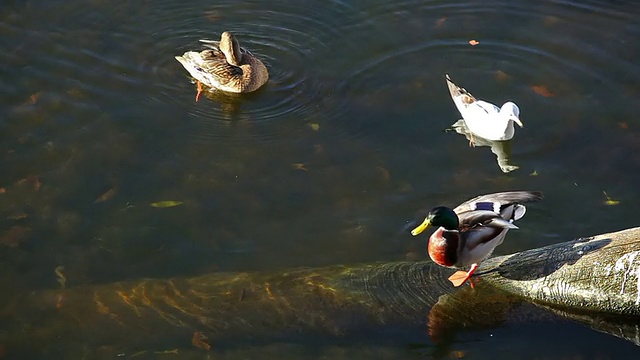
(482, 118)
(469, 233)
(226, 66)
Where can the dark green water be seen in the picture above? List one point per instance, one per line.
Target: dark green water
(327, 162)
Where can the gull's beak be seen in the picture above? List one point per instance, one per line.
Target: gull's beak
(422, 227)
(517, 121)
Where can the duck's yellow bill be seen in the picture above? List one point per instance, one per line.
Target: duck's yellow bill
(422, 227)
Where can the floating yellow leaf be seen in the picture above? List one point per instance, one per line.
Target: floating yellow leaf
(534, 173)
(166, 204)
(314, 126)
(473, 42)
(609, 201)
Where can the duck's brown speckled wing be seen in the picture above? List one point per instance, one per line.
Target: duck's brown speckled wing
(215, 63)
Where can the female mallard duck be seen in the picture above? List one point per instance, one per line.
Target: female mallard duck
(469, 233)
(226, 66)
(482, 118)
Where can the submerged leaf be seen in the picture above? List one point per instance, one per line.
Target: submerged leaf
(198, 340)
(166, 204)
(550, 20)
(165, 352)
(61, 278)
(501, 76)
(17, 216)
(33, 180)
(542, 90)
(15, 236)
(106, 195)
(299, 166)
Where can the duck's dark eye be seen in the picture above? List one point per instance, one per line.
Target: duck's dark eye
(199, 68)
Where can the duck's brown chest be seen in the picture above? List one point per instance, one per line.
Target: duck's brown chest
(443, 247)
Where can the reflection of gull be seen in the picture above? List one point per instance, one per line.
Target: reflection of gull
(502, 148)
(482, 118)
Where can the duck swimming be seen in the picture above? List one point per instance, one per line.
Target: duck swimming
(483, 118)
(225, 66)
(468, 234)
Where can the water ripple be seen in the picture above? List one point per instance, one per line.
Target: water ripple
(288, 39)
(552, 51)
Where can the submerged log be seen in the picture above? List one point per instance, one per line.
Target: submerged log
(594, 280)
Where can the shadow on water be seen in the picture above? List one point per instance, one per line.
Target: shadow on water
(322, 165)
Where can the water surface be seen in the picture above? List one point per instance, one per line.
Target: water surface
(327, 162)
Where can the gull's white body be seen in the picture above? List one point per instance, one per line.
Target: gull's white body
(482, 118)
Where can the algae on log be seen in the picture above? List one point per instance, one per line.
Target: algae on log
(580, 277)
(227, 307)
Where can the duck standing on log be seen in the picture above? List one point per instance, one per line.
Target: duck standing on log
(468, 234)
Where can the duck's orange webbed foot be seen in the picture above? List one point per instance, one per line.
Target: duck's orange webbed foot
(200, 90)
(460, 277)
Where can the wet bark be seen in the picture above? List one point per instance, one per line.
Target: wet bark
(599, 274)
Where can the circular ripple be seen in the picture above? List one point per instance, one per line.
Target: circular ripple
(556, 51)
(288, 39)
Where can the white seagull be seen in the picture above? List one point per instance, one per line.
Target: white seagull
(482, 118)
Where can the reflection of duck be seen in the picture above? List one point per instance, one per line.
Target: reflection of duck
(226, 66)
(485, 119)
(501, 148)
(469, 233)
